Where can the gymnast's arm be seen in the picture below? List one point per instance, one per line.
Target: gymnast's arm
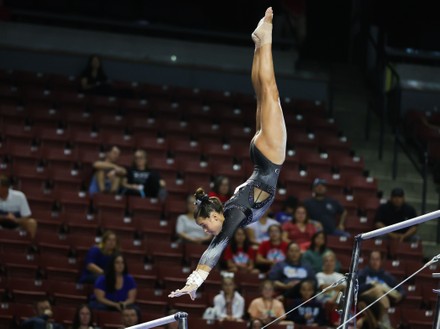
(209, 259)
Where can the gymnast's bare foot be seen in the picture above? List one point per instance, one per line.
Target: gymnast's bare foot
(263, 33)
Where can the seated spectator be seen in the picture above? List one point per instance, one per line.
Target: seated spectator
(373, 317)
(93, 78)
(266, 308)
(221, 189)
(288, 273)
(326, 210)
(99, 256)
(317, 248)
(14, 209)
(108, 175)
(83, 318)
(239, 254)
(327, 277)
(374, 282)
(115, 289)
(271, 251)
(43, 319)
(143, 181)
(186, 227)
(300, 228)
(286, 214)
(258, 231)
(131, 316)
(311, 313)
(397, 210)
(229, 304)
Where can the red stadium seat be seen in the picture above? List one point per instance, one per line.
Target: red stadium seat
(417, 318)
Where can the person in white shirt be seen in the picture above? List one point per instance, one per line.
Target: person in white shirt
(186, 226)
(328, 276)
(14, 209)
(229, 304)
(259, 231)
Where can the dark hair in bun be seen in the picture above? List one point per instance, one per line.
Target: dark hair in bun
(205, 204)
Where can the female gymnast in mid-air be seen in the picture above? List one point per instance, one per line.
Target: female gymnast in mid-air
(267, 150)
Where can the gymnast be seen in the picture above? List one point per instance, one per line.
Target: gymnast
(267, 149)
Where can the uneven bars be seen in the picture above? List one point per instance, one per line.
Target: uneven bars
(161, 321)
(398, 226)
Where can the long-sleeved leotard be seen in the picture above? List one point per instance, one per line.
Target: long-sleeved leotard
(241, 209)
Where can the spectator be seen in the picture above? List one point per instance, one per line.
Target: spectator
(186, 226)
(397, 210)
(98, 257)
(266, 308)
(300, 228)
(239, 254)
(143, 181)
(258, 231)
(288, 273)
(286, 214)
(43, 319)
(93, 77)
(108, 174)
(83, 318)
(221, 189)
(229, 304)
(373, 317)
(271, 251)
(318, 247)
(325, 279)
(14, 209)
(325, 209)
(115, 289)
(311, 313)
(131, 316)
(374, 281)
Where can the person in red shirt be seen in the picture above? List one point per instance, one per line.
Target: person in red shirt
(221, 189)
(271, 251)
(300, 229)
(239, 255)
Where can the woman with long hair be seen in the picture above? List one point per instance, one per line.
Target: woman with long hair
(116, 288)
(318, 247)
(83, 318)
(300, 229)
(239, 255)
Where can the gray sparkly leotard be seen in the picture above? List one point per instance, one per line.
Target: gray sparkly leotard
(241, 209)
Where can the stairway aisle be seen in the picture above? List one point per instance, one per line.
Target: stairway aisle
(350, 103)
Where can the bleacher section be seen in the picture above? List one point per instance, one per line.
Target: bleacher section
(50, 134)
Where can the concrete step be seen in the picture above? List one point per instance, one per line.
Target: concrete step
(350, 93)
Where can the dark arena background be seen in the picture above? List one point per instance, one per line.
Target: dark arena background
(359, 85)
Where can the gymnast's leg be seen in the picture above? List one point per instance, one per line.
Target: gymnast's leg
(271, 135)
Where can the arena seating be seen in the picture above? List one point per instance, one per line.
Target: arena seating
(50, 136)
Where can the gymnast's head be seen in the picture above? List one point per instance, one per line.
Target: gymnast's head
(209, 212)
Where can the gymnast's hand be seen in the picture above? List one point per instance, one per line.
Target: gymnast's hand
(188, 289)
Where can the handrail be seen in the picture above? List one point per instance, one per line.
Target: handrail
(390, 95)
